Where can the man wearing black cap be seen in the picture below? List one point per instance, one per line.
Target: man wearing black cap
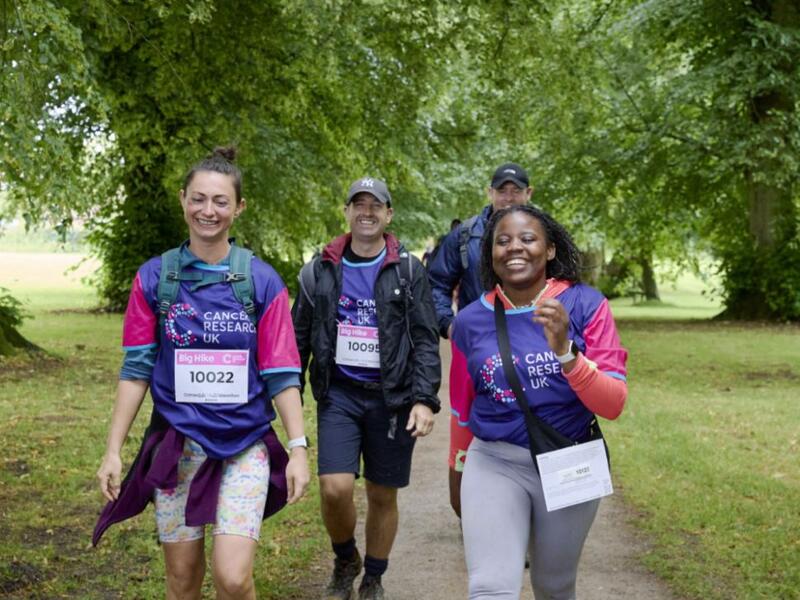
(457, 263)
(365, 313)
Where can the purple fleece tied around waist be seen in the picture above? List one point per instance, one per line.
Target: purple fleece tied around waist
(150, 472)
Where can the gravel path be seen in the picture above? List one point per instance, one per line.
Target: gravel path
(427, 560)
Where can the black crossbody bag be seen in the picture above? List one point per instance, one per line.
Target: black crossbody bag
(542, 437)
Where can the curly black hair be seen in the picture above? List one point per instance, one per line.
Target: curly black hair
(219, 161)
(564, 265)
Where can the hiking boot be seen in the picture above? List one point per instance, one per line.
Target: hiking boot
(370, 588)
(344, 574)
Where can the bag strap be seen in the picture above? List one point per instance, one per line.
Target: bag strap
(308, 279)
(539, 431)
(407, 291)
(168, 282)
(463, 240)
(239, 276)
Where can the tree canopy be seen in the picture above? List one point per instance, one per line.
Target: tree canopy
(655, 128)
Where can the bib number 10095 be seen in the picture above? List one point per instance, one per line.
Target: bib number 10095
(211, 376)
(357, 346)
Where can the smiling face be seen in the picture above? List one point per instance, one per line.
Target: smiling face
(367, 217)
(508, 194)
(520, 251)
(209, 206)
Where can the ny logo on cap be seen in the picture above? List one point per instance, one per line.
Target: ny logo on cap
(367, 182)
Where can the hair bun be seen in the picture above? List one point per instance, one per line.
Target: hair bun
(226, 152)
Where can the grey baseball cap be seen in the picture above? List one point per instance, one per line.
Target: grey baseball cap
(370, 185)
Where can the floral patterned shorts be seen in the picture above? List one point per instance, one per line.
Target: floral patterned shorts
(242, 495)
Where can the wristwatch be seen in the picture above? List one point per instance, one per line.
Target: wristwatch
(300, 442)
(571, 354)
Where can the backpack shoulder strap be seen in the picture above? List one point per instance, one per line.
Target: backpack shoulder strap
(168, 281)
(241, 279)
(407, 290)
(308, 279)
(463, 240)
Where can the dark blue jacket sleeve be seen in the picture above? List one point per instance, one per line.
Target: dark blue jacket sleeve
(444, 274)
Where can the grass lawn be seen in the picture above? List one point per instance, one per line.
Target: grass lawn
(705, 454)
(54, 416)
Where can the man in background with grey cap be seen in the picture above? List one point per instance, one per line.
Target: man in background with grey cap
(458, 264)
(365, 313)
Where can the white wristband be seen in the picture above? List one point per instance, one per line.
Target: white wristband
(571, 354)
(300, 442)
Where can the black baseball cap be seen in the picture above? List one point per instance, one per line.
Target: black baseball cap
(510, 172)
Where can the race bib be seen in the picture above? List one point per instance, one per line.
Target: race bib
(211, 376)
(574, 474)
(357, 346)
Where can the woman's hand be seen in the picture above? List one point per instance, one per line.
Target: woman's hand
(553, 317)
(108, 476)
(297, 475)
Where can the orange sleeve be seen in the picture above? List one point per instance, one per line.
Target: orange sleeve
(600, 393)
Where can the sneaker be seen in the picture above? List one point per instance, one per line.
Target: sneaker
(370, 588)
(344, 574)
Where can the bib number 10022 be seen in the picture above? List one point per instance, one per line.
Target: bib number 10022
(211, 376)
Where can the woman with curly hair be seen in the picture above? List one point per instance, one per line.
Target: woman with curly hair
(567, 355)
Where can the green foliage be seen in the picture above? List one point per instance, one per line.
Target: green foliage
(12, 314)
(11, 309)
(646, 125)
(652, 123)
(758, 285)
(315, 94)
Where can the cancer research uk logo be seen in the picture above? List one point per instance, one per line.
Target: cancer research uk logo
(488, 369)
(184, 325)
(180, 339)
(539, 367)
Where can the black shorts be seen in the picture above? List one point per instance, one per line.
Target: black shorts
(354, 423)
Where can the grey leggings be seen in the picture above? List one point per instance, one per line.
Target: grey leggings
(503, 515)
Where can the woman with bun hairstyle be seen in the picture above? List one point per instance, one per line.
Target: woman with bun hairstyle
(571, 367)
(217, 367)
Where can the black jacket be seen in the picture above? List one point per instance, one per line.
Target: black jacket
(409, 349)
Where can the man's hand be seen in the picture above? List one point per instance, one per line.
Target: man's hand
(420, 420)
(297, 476)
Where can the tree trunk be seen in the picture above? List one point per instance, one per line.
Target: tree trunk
(148, 224)
(772, 215)
(649, 285)
(592, 260)
(12, 341)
